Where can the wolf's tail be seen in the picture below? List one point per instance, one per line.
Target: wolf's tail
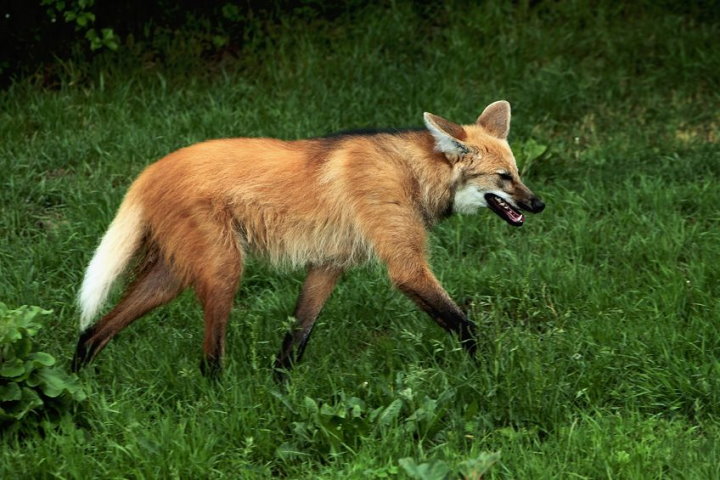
(117, 248)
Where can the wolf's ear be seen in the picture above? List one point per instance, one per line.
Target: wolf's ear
(496, 119)
(448, 135)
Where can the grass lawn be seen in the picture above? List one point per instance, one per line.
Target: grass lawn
(599, 348)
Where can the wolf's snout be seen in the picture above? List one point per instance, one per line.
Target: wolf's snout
(534, 205)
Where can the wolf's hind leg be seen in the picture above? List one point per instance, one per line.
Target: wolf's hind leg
(154, 285)
(215, 287)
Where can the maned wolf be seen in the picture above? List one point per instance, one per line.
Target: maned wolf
(326, 204)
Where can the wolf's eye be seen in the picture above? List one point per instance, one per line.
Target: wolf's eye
(505, 176)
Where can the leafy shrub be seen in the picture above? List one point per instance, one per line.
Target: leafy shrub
(79, 13)
(31, 386)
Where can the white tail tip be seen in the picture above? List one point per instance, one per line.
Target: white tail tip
(111, 258)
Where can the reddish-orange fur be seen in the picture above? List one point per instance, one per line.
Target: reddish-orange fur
(327, 203)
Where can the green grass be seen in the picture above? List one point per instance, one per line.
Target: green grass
(599, 318)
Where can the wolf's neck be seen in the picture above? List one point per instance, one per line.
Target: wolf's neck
(434, 183)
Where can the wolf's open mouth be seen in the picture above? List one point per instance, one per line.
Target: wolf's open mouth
(505, 211)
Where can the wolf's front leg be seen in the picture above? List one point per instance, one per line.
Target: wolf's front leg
(421, 286)
(399, 239)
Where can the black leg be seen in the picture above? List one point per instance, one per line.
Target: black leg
(317, 288)
(421, 286)
(446, 313)
(84, 351)
(155, 285)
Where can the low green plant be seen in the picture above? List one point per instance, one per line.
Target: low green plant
(329, 427)
(471, 469)
(341, 424)
(32, 387)
(80, 14)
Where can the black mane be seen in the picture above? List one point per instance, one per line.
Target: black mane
(366, 132)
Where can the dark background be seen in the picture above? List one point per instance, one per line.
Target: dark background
(35, 35)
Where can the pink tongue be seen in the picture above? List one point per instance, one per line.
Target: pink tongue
(516, 217)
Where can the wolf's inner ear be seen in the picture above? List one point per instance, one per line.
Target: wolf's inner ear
(448, 136)
(496, 119)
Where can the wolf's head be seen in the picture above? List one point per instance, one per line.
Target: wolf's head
(484, 170)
